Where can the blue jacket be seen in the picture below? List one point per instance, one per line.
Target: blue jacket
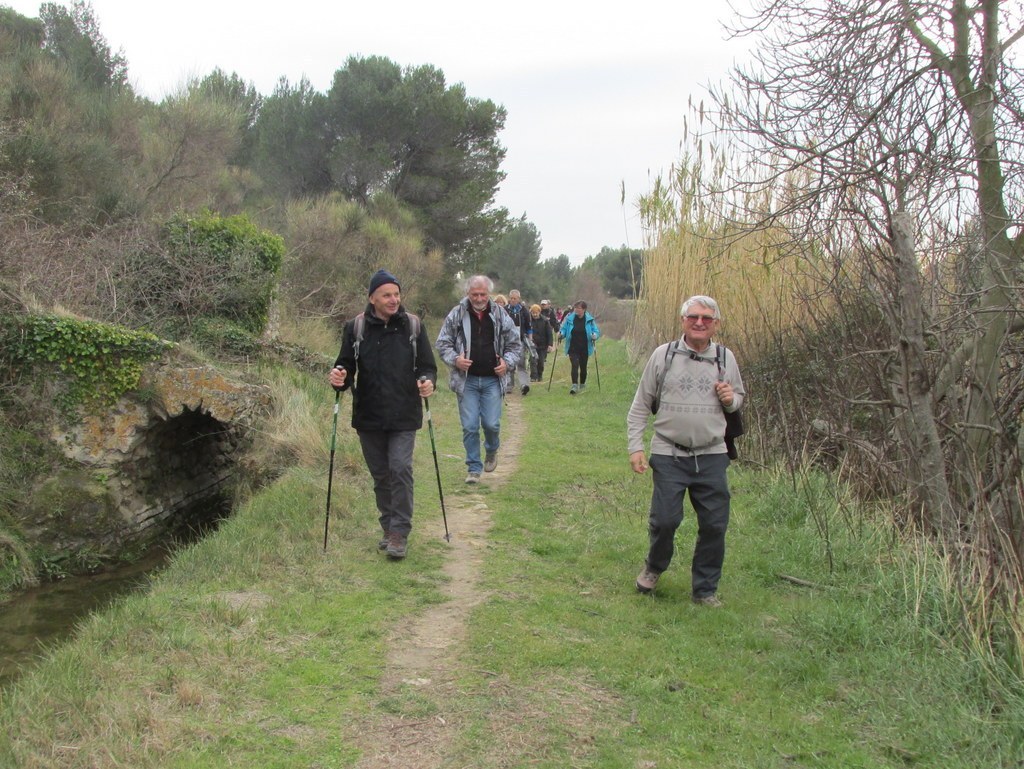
(593, 332)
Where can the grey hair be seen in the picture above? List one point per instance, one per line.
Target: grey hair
(476, 280)
(705, 301)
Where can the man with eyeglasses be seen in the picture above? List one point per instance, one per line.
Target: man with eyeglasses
(688, 385)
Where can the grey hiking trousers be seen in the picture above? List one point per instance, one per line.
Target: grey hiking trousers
(704, 478)
(388, 456)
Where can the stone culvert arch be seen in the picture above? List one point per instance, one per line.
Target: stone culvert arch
(141, 469)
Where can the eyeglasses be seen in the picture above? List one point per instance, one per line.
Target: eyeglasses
(695, 318)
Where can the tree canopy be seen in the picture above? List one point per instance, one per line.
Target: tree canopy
(73, 36)
(620, 268)
(408, 133)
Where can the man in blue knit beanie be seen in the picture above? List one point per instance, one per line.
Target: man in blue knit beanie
(387, 362)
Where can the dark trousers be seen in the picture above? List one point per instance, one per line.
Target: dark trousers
(537, 364)
(705, 479)
(579, 366)
(388, 457)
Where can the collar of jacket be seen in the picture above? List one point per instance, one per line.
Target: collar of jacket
(372, 317)
(469, 306)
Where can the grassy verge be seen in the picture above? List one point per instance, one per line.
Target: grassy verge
(255, 648)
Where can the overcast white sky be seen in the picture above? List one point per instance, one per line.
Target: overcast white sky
(595, 96)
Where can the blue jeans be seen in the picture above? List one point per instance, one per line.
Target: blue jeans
(704, 479)
(480, 406)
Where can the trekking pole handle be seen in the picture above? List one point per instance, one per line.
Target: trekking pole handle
(337, 389)
(426, 398)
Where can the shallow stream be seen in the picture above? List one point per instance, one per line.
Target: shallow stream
(46, 615)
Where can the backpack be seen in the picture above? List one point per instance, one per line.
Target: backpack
(359, 327)
(733, 421)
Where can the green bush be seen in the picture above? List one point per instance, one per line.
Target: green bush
(93, 363)
(223, 336)
(222, 267)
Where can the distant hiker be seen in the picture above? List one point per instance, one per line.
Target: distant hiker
(481, 346)
(521, 317)
(507, 381)
(688, 394)
(384, 352)
(550, 315)
(580, 331)
(543, 341)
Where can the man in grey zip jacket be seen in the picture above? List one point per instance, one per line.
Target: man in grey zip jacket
(688, 451)
(481, 346)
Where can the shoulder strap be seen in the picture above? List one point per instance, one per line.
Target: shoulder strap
(670, 353)
(358, 326)
(414, 334)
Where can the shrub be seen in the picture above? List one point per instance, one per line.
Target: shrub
(210, 267)
(224, 336)
(94, 363)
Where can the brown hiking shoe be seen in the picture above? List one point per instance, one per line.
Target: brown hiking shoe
(398, 544)
(490, 461)
(383, 544)
(711, 601)
(647, 580)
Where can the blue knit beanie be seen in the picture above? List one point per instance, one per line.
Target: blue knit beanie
(380, 278)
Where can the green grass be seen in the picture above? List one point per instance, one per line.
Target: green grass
(256, 648)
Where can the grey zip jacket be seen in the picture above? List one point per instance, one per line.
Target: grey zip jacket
(455, 331)
(690, 418)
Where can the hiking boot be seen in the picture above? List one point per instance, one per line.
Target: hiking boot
(473, 478)
(582, 388)
(647, 579)
(383, 544)
(398, 544)
(710, 600)
(490, 461)
(573, 389)
(526, 389)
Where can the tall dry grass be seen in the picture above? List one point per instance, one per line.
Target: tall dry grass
(760, 292)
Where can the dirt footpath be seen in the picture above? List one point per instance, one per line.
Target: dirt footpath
(426, 648)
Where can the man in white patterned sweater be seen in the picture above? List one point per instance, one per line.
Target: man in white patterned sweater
(688, 450)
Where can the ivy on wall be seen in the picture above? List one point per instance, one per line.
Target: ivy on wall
(95, 362)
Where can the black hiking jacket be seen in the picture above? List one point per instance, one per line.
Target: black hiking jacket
(384, 392)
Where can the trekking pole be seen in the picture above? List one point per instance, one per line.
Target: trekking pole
(437, 469)
(330, 472)
(597, 368)
(553, 362)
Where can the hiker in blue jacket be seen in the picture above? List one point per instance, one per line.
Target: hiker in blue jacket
(387, 361)
(580, 331)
